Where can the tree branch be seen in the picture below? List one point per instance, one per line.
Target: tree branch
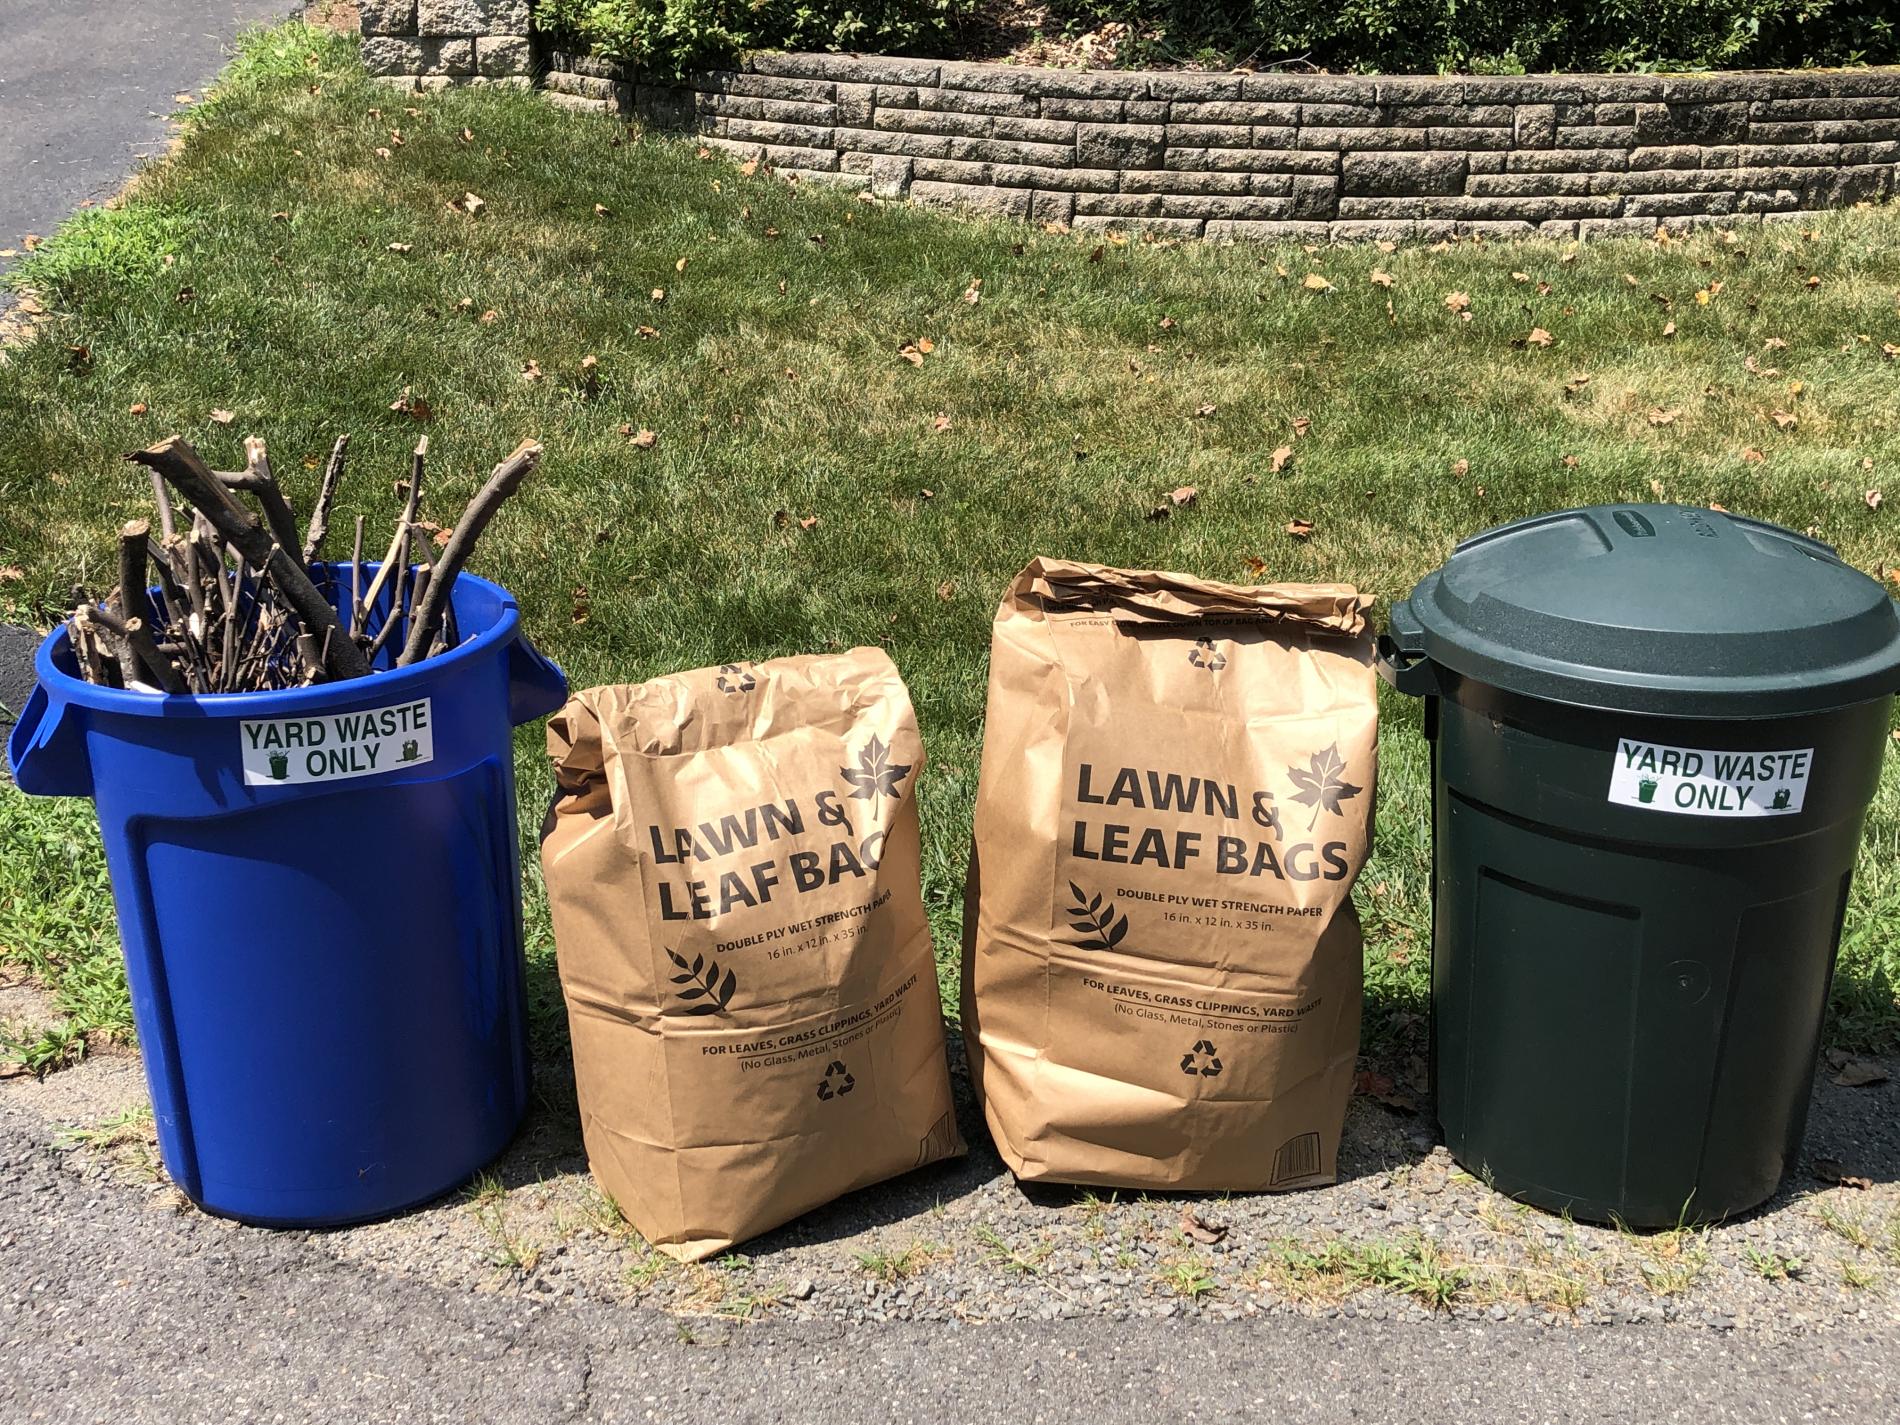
(319, 525)
(185, 472)
(481, 509)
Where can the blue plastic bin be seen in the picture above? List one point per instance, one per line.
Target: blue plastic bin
(321, 914)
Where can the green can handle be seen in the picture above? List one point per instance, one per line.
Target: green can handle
(1401, 658)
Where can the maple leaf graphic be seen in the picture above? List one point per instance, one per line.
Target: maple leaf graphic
(875, 772)
(1322, 784)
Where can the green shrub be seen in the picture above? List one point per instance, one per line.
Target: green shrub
(1499, 36)
(673, 36)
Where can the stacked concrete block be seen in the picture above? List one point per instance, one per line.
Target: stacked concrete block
(1316, 156)
(1230, 155)
(427, 44)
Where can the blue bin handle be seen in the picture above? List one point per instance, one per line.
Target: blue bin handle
(536, 684)
(46, 750)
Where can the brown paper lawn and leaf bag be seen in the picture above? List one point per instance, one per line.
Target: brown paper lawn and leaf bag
(732, 866)
(1162, 972)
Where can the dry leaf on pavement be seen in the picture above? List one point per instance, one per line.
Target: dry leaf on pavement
(1860, 1073)
(1196, 1228)
(1829, 1170)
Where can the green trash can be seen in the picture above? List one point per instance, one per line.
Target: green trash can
(1655, 732)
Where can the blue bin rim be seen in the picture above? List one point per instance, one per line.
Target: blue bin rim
(377, 687)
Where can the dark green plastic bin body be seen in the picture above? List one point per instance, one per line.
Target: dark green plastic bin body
(1628, 998)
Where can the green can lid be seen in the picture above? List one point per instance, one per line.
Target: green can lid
(1672, 610)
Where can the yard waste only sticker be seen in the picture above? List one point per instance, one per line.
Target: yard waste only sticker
(333, 747)
(1694, 781)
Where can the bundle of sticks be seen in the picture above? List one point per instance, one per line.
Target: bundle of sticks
(227, 600)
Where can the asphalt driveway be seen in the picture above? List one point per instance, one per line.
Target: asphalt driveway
(85, 88)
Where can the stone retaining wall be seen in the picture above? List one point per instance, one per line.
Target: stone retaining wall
(1277, 155)
(428, 44)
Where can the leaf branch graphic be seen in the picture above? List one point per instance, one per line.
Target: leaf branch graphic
(1322, 784)
(875, 773)
(1101, 926)
(707, 988)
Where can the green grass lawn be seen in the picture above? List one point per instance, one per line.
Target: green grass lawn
(302, 261)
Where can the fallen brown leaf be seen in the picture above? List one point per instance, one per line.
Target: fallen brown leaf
(1538, 337)
(1313, 282)
(1380, 277)
(1281, 458)
(222, 417)
(1380, 1088)
(530, 370)
(1300, 528)
(137, 408)
(1785, 420)
(1752, 455)
(1205, 410)
(1829, 1170)
(1196, 1228)
(472, 204)
(947, 590)
(1461, 468)
(1660, 417)
(942, 422)
(974, 292)
(643, 439)
(1860, 1073)
(1871, 499)
(1458, 301)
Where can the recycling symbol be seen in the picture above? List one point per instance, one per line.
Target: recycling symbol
(837, 1081)
(735, 678)
(1201, 1059)
(1205, 655)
